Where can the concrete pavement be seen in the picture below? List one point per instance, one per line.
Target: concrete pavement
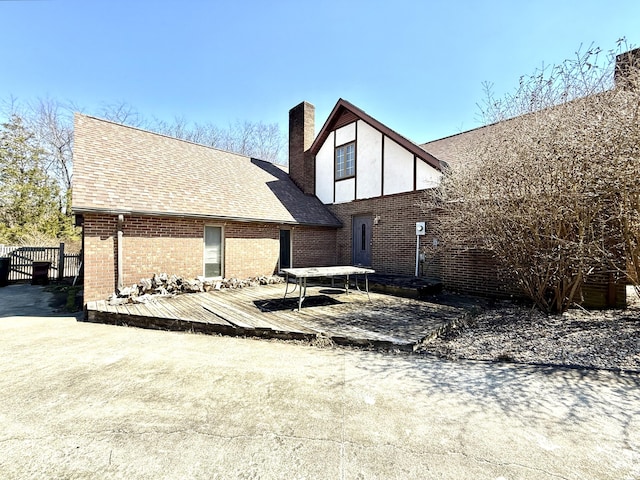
(81, 400)
(25, 300)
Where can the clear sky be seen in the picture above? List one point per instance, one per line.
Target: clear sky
(416, 66)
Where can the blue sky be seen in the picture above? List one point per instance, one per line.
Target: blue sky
(417, 66)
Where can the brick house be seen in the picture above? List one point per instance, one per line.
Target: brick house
(373, 180)
(370, 177)
(149, 203)
(375, 192)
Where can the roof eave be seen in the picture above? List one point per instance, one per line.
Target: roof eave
(219, 218)
(361, 114)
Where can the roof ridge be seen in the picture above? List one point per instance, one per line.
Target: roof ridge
(388, 127)
(375, 123)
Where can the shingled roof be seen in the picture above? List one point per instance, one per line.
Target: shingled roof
(450, 149)
(454, 149)
(121, 169)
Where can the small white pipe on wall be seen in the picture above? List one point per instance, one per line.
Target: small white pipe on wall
(417, 255)
(119, 260)
(421, 228)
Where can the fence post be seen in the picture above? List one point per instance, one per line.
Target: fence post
(61, 262)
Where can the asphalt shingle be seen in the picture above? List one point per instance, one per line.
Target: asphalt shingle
(122, 169)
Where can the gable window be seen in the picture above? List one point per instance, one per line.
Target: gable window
(346, 161)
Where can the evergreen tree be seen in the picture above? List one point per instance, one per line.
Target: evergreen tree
(29, 197)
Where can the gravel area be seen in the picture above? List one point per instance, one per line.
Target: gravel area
(607, 339)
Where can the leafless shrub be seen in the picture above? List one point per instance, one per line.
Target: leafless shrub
(552, 187)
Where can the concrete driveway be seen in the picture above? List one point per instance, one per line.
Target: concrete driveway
(81, 400)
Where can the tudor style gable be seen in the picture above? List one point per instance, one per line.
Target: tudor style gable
(357, 157)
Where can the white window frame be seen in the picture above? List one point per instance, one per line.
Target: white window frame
(204, 248)
(341, 162)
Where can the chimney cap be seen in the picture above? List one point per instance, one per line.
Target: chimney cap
(303, 104)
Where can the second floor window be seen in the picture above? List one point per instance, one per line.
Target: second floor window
(346, 161)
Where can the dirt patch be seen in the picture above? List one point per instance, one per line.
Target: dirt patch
(63, 298)
(607, 340)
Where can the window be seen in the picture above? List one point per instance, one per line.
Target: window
(212, 252)
(346, 161)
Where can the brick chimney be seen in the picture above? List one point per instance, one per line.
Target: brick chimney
(624, 63)
(301, 135)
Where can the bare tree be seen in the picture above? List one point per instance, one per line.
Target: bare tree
(122, 112)
(254, 139)
(49, 124)
(548, 186)
(52, 124)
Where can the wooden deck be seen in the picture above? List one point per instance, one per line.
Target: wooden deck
(385, 321)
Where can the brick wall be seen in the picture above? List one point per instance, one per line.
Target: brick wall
(301, 135)
(474, 271)
(161, 244)
(470, 271)
(313, 246)
(99, 256)
(251, 249)
(176, 246)
(394, 239)
(604, 290)
(466, 270)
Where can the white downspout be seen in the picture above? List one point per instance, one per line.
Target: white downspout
(119, 259)
(421, 228)
(417, 255)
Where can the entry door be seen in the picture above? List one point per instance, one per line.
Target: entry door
(362, 240)
(285, 249)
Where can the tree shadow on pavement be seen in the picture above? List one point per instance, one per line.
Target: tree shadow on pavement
(533, 393)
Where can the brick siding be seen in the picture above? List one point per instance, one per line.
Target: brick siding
(468, 271)
(394, 239)
(176, 246)
(314, 246)
(251, 249)
(99, 255)
(604, 290)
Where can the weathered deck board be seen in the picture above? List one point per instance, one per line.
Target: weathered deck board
(174, 311)
(120, 310)
(245, 301)
(229, 313)
(391, 322)
(187, 302)
(244, 310)
(155, 310)
(306, 320)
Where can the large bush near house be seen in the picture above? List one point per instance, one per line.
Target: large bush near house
(552, 185)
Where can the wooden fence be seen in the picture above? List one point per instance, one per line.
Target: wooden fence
(21, 260)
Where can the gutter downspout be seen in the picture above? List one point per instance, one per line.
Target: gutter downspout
(119, 253)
